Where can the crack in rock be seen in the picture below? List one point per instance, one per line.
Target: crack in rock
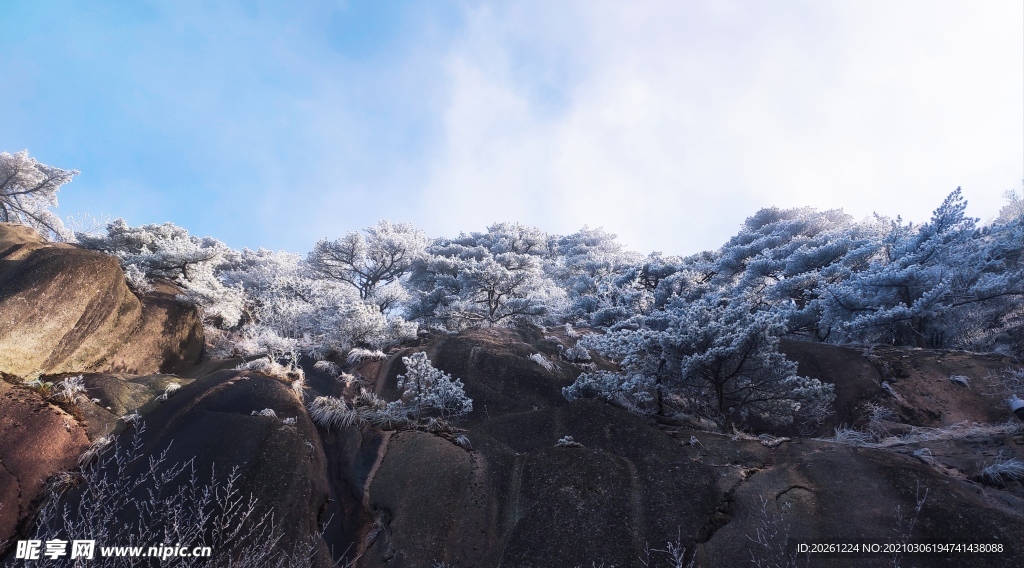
(723, 512)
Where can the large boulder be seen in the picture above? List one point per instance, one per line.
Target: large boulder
(64, 309)
(233, 430)
(210, 422)
(37, 440)
(819, 491)
(495, 366)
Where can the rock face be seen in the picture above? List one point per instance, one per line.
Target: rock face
(516, 499)
(209, 428)
(920, 390)
(64, 309)
(37, 440)
(210, 422)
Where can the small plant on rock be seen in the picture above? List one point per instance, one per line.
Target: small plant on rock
(1003, 471)
(69, 389)
(358, 355)
(330, 412)
(567, 442)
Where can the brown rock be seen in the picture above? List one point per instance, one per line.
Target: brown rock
(37, 440)
(64, 309)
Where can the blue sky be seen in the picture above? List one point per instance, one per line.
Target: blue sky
(275, 124)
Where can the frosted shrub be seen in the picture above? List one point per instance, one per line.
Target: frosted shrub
(330, 412)
(379, 413)
(298, 386)
(543, 362)
(1003, 471)
(325, 366)
(289, 372)
(136, 279)
(633, 391)
(263, 340)
(463, 442)
(567, 442)
(392, 416)
(268, 412)
(877, 417)
(576, 353)
(357, 355)
(164, 503)
(69, 389)
(426, 389)
(94, 451)
(349, 379)
(851, 437)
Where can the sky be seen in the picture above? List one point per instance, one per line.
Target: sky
(275, 124)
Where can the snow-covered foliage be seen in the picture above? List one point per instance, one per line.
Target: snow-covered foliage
(358, 355)
(169, 391)
(629, 390)
(28, 189)
(492, 278)
(567, 442)
(426, 389)
(577, 353)
(1003, 471)
(543, 362)
(589, 265)
(326, 366)
(168, 251)
(69, 389)
(366, 409)
(696, 334)
(925, 283)
(330, 412)
(721, 354)
(370, 263)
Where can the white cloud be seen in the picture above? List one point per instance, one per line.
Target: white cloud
(670, 123)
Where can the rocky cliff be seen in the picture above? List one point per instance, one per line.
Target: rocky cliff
(629, 490)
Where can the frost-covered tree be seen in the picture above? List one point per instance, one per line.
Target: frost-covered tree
(285, 303)
(781, 259)
(168, 251)
(714, 355)
(426, 389)
(590, 266)
(28, 189)
(1014, 208)
(923, 279)
(370, 262)
(493, 278)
